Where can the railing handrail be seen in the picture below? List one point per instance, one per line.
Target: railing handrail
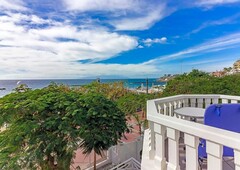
(223, 137)
(183, 96)
(230, 97)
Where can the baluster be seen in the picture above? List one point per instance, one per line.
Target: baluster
(170, 109)
(173, 150)
(234, 101)
(200, 102)
(214, 155)
(191, 143)
(165, 111)
(207, 102)
(160, 109)
(175, 104)
(157, 105)
(215, 100)
(185, 103)
(237, 159)
(180, 103)
(193, 102)
(224, 100)
(160, 160)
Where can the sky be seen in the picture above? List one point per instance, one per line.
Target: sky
(56, 39)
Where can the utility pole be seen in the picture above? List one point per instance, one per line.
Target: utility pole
(147, 85)
(181, 66)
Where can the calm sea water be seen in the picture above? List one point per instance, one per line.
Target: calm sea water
(36, 84)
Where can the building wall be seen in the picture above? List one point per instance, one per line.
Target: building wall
(236, 66)
(124, 151)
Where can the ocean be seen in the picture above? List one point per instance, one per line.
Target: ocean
(9, 85)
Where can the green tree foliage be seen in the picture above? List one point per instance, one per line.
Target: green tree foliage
(102, 126)
(112, 91)
(131, 103)
(128, 101)
(45, 127)
(198, 82)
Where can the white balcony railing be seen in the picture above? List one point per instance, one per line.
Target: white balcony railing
(165, 127)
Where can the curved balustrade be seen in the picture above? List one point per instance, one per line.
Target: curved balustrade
(164, 128)
(168, 104)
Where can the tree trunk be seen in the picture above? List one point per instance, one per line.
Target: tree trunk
(94, 160)
(144, 114)
(140, 128)
(51, 164)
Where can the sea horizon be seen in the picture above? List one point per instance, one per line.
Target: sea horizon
(133, 83)
(78, 78)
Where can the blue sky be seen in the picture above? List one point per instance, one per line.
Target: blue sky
(116, 39)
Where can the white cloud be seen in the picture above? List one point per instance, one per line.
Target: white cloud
(48, 69)
(149, 42)
(146, 20)
(218, 65)
(218, 44)
(26, 20)
(56, 51)
(207, 65)
(67, 40)
(36, 20)
(124, 14)
(17, 5)
(85, 44)
(228, 20)
(209, 61)
(211, 64)
(215, 2)
(100, 5)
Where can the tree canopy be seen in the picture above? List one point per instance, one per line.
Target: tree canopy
(112, 91)
(198, 82)
(46, 126)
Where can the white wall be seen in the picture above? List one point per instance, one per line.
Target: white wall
(128, 150)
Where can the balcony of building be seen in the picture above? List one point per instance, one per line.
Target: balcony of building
(172, 141)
